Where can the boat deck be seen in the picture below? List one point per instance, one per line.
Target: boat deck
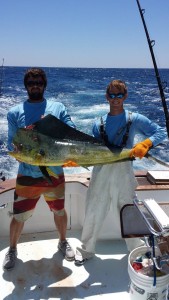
(42, 273)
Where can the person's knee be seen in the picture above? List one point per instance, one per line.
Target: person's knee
(22, 217)
(59, 213)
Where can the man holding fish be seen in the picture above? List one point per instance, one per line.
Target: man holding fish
(30, 183)
(115, 184)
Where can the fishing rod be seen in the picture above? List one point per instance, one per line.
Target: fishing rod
(159, 161)
(1, 77)
(151, 43)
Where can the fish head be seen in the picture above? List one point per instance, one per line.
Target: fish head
(27, 147)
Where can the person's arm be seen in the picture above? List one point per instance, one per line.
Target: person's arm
(96, 131)
(12, 128)
(65, 117)
(154, 135)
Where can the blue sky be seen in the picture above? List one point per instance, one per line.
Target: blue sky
(83, 33)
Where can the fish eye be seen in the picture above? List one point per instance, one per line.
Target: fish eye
(42, 152)
(28, 148)
(20, 147)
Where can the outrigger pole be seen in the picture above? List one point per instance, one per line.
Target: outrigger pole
(151, 43)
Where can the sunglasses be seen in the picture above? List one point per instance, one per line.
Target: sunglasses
(33, 83)
(119, 95)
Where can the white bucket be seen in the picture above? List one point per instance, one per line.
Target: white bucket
(141, 286)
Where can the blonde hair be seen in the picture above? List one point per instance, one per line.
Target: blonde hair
(119, 84)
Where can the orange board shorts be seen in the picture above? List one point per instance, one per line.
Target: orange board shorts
(28, 191)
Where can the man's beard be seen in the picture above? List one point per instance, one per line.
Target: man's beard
(35, 96)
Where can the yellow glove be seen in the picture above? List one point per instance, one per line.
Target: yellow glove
(140, 149)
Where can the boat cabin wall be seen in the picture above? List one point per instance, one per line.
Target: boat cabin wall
(42, 220)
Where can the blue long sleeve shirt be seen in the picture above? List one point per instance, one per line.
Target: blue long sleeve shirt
(26, 114)
(115, 128)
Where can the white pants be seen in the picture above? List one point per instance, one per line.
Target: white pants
(114, 183)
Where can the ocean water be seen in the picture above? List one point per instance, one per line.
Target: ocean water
(82, 90)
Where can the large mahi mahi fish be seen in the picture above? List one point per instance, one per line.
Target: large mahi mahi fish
(53, 143)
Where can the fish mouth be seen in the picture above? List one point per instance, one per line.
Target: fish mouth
(14, 154)
(36, 160)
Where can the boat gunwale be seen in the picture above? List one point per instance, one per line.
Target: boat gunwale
(84, 179)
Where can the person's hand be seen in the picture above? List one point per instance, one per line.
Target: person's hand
(70, 164)
(141, 149)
